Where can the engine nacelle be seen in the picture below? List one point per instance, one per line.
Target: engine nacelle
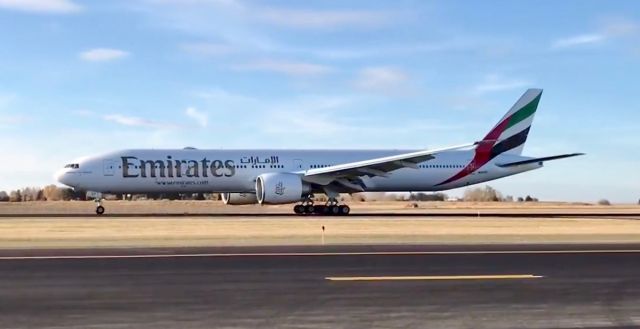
(239, 198)
(279, 188)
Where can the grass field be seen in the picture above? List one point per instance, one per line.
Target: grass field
(217, 207)
(220, 230)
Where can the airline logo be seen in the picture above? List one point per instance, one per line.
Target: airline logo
(133, 167)
(257, 160)
(279, 190)
(510, 133)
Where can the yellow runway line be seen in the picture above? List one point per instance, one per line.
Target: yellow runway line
(435, 277)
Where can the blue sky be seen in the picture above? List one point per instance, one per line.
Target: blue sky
(84, 77)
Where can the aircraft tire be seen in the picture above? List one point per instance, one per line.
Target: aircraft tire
(344, 210)
(298, 209)
(310, 209)
(99, 210)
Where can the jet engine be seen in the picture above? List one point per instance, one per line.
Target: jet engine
(239, 198)
(279, 188)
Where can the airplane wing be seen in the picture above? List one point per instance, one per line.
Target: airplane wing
(373, 167)
(535, 160)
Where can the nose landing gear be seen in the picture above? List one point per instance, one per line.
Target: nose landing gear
(99, 208)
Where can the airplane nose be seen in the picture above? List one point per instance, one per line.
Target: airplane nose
(61, 176)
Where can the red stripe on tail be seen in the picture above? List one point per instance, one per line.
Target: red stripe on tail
(483, 152)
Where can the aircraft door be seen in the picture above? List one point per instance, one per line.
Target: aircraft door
(109, 167)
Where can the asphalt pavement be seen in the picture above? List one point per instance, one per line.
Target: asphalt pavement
(551, 286)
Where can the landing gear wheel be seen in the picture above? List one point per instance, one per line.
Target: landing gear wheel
(309, 209)
(320, 210)
(334, 210)
(344, 210)
(99, 210)
(298, 209)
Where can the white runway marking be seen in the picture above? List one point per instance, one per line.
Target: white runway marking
(436, 277)
(323, 254)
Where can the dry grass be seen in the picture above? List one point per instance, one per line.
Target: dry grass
(225, 231)
(92, 231)
(200, 207)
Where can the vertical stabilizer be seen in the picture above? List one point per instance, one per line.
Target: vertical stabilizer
(510, 133)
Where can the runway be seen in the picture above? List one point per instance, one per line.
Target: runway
(551, 286)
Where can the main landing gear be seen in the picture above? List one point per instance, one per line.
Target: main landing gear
(331, 208)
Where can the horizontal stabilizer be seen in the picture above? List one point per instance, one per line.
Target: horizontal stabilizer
(535, 160)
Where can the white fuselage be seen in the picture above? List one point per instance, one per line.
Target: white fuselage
(193, 170)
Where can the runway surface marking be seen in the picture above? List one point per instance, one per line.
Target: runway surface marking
(435, 277)
(321, 254)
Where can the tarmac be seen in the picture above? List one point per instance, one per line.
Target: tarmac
(381, 286)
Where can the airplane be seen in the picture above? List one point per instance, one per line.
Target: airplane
(271, 176)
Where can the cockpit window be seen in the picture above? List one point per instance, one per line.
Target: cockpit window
(73, 166)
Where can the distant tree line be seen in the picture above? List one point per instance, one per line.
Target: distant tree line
(489, 194)
(382, 196)
(55, 193)
(47, 193)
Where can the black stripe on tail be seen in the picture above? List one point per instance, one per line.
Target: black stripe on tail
(510, 143)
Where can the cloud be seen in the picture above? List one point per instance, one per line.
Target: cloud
(306, 118)
(219, 95)
(8, 116)
(41, 6)
(103, 54)
(291, 68)
(200, 117)
(6, 99)
(308, 114)
(248, 12)
(230, 4)
(207, 49)
(381, 79)
(583, 39)
(464, 101)
(11, 121)
(244, 28)
(309, 118)
(135, 121)
(611, 27)
(618, 26)
(495, 82)
(83, 113)
(321, 19)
